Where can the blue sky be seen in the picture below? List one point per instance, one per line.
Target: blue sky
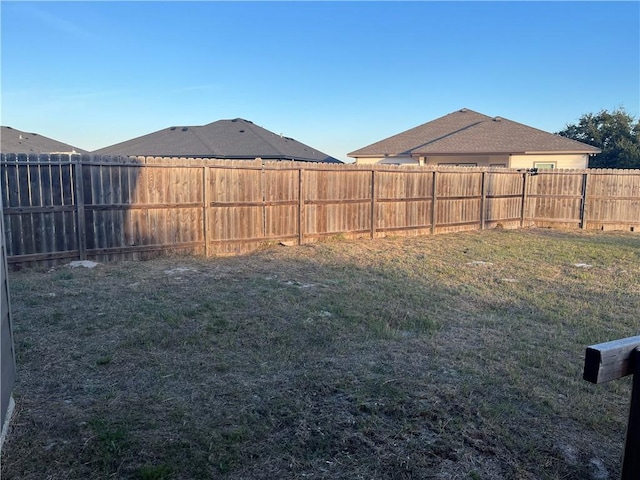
(334, 75)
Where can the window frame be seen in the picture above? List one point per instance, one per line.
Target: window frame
(542, 165)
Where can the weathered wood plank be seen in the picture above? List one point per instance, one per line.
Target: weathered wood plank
(27, 240)
(301, 210)
(610, 360)
(524, 200)
(253, 204)
(145, 248)
(36, 257)
(136, 202)
(434, 198)
(42, 209)
(338, 201)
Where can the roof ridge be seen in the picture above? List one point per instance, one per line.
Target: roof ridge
(462, 110)
(466, 130)
(225, 138)
(450, 134)
(259, 131)
(422, 126)
(203, 141)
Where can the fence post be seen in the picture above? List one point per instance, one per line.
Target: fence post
(583, 205)
(373, 203)
(206, 178)
(631, 459)
(610, 361)
(81, 228)
(434, 195)
(300, 206)
(483, 194)
(263, 196)
(524, 199)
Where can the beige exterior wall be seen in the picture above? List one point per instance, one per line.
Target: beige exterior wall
(401, 160)
(510, 161)
(561, 161)
(478, 160)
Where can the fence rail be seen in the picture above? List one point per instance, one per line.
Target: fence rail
(59, 207)
(610, 361)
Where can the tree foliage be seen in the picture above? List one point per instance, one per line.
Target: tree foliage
(616, 133)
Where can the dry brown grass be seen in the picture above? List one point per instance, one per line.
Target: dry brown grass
(448, 357)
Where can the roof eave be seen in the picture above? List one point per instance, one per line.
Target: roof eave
(508, 152)
(461, 153)
(221, 157)
(280, 157)
(375, 155)
(563, 152)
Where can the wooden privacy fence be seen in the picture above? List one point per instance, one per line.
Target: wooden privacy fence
(77, 207)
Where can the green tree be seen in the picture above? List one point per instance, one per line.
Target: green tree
(616, 133)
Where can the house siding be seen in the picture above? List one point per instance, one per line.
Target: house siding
(512, 161)
(561, 161)
(391, 160)
(478, 160)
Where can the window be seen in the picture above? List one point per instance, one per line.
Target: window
(544, 165)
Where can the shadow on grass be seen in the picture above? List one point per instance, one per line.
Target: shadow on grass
(327, 361)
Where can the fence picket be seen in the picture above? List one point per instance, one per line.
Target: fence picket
(59, 207)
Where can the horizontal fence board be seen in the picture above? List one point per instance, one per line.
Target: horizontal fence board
(45, 209)
(338, 201)
(131, 207)
(612, 199)
(274, 238)
(426, 228)
(144, 248)
(634, 222)
(35, 257)
(150, 206)
(253, 204)
(556, 196)
(406, 199)
(333, 234)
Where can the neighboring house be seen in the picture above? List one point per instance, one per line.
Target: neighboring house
(468, 138)
(236, 139)
(17, 141)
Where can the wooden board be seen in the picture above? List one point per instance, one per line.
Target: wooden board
(60, 206)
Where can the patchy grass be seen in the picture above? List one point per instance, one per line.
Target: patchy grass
(448, 357)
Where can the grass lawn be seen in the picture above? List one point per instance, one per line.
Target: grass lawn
(448, 357)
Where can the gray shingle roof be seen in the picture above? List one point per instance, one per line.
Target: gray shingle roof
(17, 141)
(469, 132)
(232, 139)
